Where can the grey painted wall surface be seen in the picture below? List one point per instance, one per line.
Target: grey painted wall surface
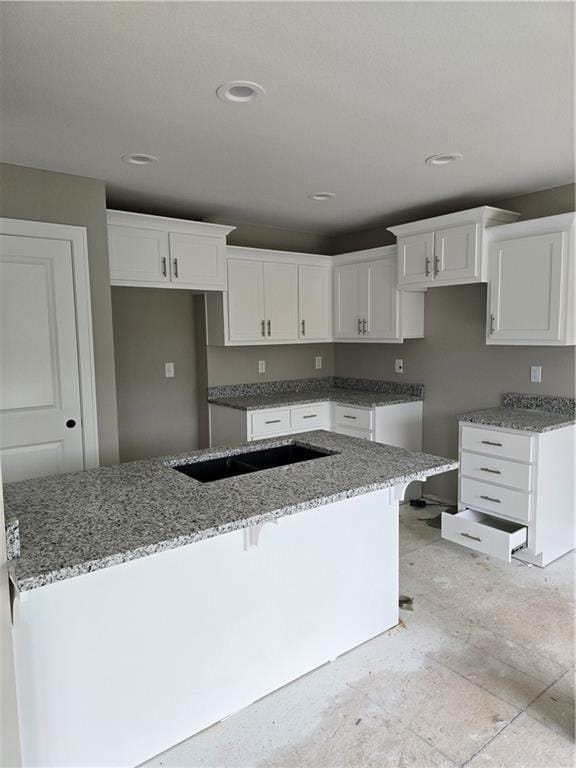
(27, 193)
(156, 415)
(459, 371)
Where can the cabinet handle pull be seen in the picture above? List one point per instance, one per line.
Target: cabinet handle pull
(310, 416)
(427, 266)
(489, 498)
(493, 471)
(469, 536)
(175, 267)
(436, 267)
(263, 328)
(346, 416)
(491, 442)
(303, 327)
(492, 319)
(269, 327)
(359, 327)
(364, 324)
(273, 421)
(164, 270)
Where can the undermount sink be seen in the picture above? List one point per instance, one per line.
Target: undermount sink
(250, 461)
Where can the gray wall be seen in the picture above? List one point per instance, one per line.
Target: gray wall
(459, 371)
(27, 193)
(156, 415)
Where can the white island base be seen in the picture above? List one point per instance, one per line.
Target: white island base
(117, 665)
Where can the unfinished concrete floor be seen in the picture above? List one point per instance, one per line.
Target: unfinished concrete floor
(480, 673)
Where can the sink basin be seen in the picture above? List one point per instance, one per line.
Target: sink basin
(251, 461)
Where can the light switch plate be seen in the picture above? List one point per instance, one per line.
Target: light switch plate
(536, 374)
(399, 366)
(261, 366)
(169, 370)
(319, 362)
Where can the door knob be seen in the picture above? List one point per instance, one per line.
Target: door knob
(71, 423)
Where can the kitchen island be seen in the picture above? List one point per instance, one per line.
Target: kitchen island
(151, 605)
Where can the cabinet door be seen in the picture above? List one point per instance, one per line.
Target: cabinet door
(346, 310)
(281, 301)
(379, 299)
(197, 261)
(245, 300)
(526, 290)
(314, 302)
(137, 255)
(457, 253)
(415, 258)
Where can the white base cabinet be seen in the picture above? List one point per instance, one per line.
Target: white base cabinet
(516, 493)
(531, 283)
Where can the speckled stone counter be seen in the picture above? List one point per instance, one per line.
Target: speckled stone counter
(531, 413)
(80, 522)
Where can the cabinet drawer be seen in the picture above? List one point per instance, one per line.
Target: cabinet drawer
(495, 499)
(365, 434)
(493, 443)
(483, 533)
(270, 422)
(316, 416)
(495, 470)
(354, 418)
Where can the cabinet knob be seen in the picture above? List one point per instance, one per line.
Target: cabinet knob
(263, 328)
(269, 327)
(359, 327)
(71, 423)
(164, 267)
(303, 327)
(364, 324)
(427, 266)
(175, 267)
(492, 319)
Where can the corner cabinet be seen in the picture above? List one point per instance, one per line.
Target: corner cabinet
(531, 283)
(159, 252)
(273, 297)
(447, 250)
(368, 305)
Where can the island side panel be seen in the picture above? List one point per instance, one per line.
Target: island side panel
(119, 664)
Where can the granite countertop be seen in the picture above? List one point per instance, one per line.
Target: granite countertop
(531, 413)
(76, 523)
(365, 398)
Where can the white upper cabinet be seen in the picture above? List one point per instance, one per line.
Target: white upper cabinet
(246, 300)
(154, 251)
(447, 250)
(314, 302)
(368, 306)
(281, 301)
(531, 283)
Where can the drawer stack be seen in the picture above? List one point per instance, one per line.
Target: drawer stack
(496, 491)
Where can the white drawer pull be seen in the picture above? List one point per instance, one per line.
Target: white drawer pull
(489, 498)
(347, 416)
(491, 442)
(273, 421)
(310, 416)
(469, 536)
(493, 471)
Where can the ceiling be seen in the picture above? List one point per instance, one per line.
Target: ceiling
(358, 95)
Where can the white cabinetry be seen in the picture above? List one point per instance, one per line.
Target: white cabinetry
(273, 297)
(516, 493)
(447, 250)
(368, 306)
(154, 251)
(531, 283)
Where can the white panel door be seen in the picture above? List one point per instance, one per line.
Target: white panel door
(346, 308)
(314, 302)
(457, 253)
(246, 321)
(281, 301)
(415, 258)
(138, 255)
(197, 261)
(526, 288)
(40, 414)
(379, 287)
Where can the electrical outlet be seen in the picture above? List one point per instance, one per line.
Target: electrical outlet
(319, 362)
(261, 366)
(169, 370)
(399, 366)
(536, 374)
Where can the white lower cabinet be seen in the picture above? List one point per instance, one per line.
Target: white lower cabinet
(516, 493)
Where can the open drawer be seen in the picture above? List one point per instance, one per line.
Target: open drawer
(483, 533)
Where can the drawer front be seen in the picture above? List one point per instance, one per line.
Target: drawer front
(505, 444)
(495, 499)
(495, 470)
(365, 434)
(271, 422)
(482, 533)
(316, 416)
(353, 418)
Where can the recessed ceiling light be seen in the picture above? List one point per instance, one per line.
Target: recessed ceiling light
(445, 158)
(322, 196)
(138, 158)
(240, 91)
